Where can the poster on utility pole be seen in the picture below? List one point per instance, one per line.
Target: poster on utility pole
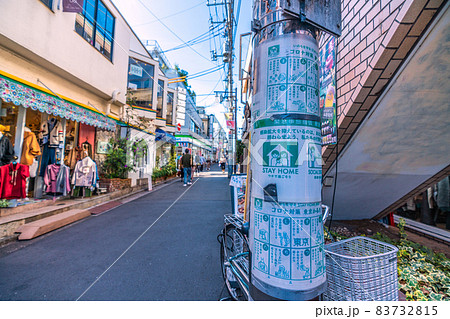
(286, 235)
(328, 92)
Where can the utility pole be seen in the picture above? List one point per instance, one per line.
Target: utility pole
(233, 106)
(228, 57)
(286, 224)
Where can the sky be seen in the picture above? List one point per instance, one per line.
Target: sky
(187, 19)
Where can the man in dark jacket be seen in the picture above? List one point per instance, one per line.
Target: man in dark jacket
(186, 162)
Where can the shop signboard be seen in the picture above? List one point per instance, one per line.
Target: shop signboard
(103, 147)
(328, 92)
(230, 125)
(136, 70)
(75, 6)
(211, 126)
(238, 182)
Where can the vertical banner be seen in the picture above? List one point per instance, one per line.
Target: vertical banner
(73, 6)
(328, 92)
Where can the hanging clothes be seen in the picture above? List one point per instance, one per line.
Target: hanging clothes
(30, 148)
(443, 194)
(13, 180)
(85, 173)
(87, 149)
(75, 155)
(6, 150)
(48, 158)
(51, 133)
(56, 179)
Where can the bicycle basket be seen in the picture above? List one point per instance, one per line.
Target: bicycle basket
(361, 268)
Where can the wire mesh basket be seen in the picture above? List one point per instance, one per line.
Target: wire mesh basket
(361, 268)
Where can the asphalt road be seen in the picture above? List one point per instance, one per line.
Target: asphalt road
(161, 246)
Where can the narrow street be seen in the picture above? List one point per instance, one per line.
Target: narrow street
(161, 246)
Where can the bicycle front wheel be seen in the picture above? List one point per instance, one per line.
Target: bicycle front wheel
(234, 247)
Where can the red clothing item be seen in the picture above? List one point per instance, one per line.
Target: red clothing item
(13, 181)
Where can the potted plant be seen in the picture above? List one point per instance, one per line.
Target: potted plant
(115, 168)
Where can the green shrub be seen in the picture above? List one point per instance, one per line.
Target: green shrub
(116, 164)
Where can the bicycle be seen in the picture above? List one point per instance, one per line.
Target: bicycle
(235, 255)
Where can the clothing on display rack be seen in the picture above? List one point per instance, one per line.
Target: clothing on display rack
(6, 150)
(443, 194)
(13, 180)
(52, 133)
(30, 148)
(75, 154)
(85, 173)
(48, 158)
(56, 179)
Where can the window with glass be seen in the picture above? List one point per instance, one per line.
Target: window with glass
(48, 3)
(140, 83)
(96, 25)
(160, 95)
(169, 112)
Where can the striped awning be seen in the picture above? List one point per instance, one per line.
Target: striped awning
(21, 94)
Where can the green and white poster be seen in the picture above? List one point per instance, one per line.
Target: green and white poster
(286, 235)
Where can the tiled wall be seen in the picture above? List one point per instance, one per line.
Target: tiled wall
(377, 36)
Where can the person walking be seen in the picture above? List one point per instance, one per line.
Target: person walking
(186, 162)
(180, 166)
(202, 162)
(208, 164)
(223, 161)
(196, 165)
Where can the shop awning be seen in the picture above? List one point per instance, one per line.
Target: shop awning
(21, 94)
(162, 135)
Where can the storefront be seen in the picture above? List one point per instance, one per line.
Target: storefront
(197, 147)
(165, 147)
(48, 142)
(141, 153)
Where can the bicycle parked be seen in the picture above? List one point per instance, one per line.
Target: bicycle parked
(235, 255)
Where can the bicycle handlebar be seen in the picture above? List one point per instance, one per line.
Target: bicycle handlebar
(325, 215)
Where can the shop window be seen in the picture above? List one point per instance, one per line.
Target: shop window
(48, 3)
(8, 120)
(96, 25)
(169, 112)
(140, 83)
(160, 95)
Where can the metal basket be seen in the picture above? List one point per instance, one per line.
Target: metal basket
(361, 268)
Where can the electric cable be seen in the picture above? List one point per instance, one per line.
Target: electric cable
(199, 39)
(334, 187)
(170, 30)
(171, 15)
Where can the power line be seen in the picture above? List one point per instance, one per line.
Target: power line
(173, 31)
(200, 39)
(171, 15)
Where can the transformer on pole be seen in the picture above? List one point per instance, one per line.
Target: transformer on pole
(286, 230)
